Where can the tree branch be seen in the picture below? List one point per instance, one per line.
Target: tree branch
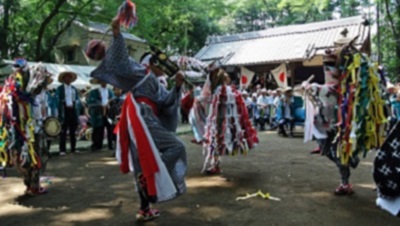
(56, 37)
(41, 4)
(4, 30)
(390, 19)
(15, 52)
(55, 11)
(103, 18)
(44, 24)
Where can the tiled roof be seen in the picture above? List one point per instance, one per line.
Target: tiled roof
(289, 43)
(102, 28)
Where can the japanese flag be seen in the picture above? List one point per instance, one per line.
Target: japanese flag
(280, 76)
(245, 78)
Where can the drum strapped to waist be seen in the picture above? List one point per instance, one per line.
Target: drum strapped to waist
(52, 126)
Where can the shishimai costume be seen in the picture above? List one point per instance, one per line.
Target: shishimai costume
(348, 113)
(18, 146)
(220, 119)
(146, 142)
(199, 111)
(386, 171)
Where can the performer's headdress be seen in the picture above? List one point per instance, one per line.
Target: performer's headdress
(330, 70)
(20, 63)
(343, 39)
(39, 78)
(158, 58)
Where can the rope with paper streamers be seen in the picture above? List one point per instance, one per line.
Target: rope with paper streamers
(361, 106)
(259, 193)
(16, 125)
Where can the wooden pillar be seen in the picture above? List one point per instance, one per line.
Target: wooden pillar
(291, 69)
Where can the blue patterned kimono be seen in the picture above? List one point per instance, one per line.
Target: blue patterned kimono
(119, 70)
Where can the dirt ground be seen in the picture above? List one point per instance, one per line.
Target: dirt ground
(88, 189)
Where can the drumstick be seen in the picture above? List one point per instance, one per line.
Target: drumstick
(308, 81)
(310, 78)
(307, 92)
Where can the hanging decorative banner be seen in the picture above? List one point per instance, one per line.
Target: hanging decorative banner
(280, 75)
(245, 78)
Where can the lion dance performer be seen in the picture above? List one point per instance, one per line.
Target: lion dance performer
(349, 110)
(17, 126)
(221, 121)
(145, 145)
(386, 171)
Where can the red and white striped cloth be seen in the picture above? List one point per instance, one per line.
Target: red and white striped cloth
(132, 128)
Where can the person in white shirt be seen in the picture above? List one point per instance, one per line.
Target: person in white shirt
(98, 103)
(272, 110)
(277, 97)
(248, 102)
(69, 105)
(43, 109)
(254, 109)
(246, 97)
(258, 90)
(263, 109)
(287, 117)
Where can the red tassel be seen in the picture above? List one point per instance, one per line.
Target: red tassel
(127, 14)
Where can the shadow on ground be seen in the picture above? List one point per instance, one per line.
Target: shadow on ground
(88, 189)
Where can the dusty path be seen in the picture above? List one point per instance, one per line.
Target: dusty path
(87, 189)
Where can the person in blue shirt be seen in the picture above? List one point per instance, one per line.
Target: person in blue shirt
(98, 104)
(396, 107)
(287, 116)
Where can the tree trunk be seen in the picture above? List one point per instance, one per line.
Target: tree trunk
(46, 54)
(43, 26)
(5, 28)
(395, 34)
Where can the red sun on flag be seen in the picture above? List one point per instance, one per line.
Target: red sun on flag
(282, 77)
(244, 79)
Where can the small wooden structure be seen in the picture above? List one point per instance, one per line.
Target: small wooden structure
(300, 47)
(71, 45)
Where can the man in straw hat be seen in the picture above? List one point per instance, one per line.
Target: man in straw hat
(145, 145)
(69, 104)
(98, 103)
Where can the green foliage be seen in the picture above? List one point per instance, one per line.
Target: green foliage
(388, 41)
(31, 28)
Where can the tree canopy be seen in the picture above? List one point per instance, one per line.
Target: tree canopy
(31, 28)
